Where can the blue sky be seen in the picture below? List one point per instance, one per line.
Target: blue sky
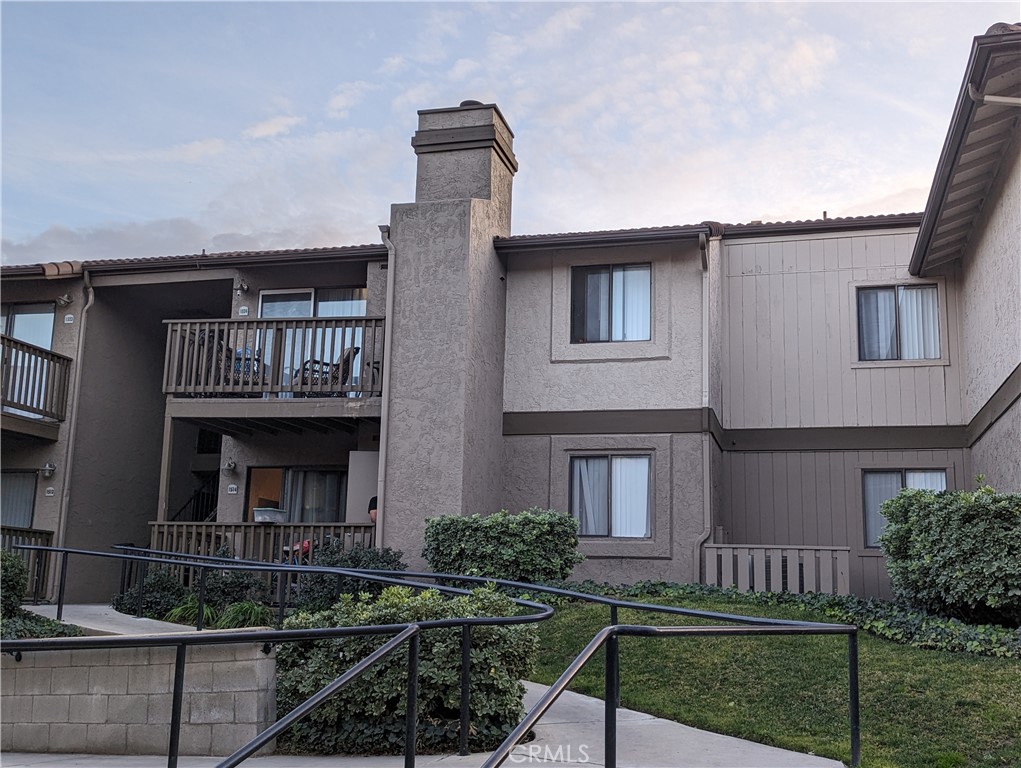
(142, 129)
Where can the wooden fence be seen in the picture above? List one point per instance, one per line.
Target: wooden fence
(35, 380)
(37, 563)
(287, 543)
(774, 568)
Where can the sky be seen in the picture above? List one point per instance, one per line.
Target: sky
(136, 129)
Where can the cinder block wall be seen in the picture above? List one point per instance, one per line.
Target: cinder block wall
(118, 702)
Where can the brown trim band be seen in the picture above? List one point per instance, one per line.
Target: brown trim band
(997, 405)
(464, 137)
(689, 420)
(603, 422)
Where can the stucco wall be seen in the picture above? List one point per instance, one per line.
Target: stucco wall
(997, 454)
(536, 473)
(545, 372)
(118, 701)
(991, 290)
(17, 452)
(115, 478)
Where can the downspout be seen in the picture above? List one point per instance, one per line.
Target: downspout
(72, 428)
(707, 476)
(384, 415)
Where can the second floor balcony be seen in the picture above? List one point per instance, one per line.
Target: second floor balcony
(35, 381)
(274, 358)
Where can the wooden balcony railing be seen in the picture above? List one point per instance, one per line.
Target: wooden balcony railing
(775, 568)
(35, 380)
(314, 357)
(289, 543)
(37, 563)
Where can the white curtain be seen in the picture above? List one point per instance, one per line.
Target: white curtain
(632, 303)
(877, 324)
(630, 496)
(589, 496)
(879, 487)
(928, 480)
(919, 322)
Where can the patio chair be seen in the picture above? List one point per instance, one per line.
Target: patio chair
(327, 377)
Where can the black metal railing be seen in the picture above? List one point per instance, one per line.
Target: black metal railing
(606, 638)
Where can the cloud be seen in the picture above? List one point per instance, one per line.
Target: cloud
(197, 151)
(346, 96)
(275, 126)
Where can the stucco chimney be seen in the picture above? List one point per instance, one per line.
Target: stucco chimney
(464, 152)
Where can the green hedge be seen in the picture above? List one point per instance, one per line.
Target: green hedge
(956, 553)
(537, 545)
(163, 593)
(318, 591)
(13, 583)
(367, 717)
(890, 621)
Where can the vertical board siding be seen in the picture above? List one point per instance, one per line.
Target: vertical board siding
(813, 499)
(790, 335)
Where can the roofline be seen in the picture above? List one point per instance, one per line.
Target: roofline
(839, 224)
(964, 112)
(653, 235)
(645, 236)
(205, 261)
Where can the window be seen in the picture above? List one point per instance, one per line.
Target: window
(17, 498)
(898, 323)
(611, 303)
(609, 495)
(881, 486)
(30, 323)
(308, 495)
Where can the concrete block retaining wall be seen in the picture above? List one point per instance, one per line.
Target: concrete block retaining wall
(118, 701)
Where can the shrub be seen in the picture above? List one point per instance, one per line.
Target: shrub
(367, 717)
(889, 621)
(187, 612)
(227, 586)
(537, 545)
(318, 591)
(246, 613)
(163, 592)
(957, 553)
(25, 624)
(13, 583)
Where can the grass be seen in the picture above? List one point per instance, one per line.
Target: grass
(919, 708)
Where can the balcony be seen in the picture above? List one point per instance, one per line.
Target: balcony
(34, 388)
(274, 358)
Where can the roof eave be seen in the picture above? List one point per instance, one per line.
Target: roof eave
(964, 112)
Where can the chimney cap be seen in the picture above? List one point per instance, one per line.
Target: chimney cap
(470, 103)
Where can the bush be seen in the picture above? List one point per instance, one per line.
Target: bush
(13, 583)
(956, 553)
(187, 612)
(225, 587)
(318, 591)
(25, 624)
(537, 545)
(246, 613)
(889, 621)
(163, 592)
(367, 717)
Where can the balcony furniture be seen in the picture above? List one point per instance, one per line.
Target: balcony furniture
(328, 378)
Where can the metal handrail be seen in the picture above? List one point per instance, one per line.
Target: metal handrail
(607, 637)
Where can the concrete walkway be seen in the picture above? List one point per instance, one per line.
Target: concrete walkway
(570, 734)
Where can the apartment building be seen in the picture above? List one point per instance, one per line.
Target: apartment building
(718, 403)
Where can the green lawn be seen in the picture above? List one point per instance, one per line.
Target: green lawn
(919, 709)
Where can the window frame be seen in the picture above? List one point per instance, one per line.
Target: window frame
(649, 497)
(579, 309)
(944, 319)
(873, 545)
